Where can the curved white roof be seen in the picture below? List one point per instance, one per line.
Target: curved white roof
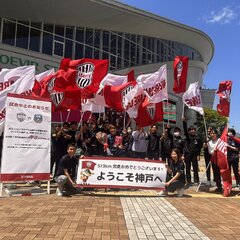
(108, 15)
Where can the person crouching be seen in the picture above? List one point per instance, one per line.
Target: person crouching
(66, 173)
(175, 177)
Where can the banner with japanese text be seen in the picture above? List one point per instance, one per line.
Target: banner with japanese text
(121, 173)
(26, 143)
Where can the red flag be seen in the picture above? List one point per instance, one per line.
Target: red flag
(149, 113)
(180, 67)
(131, 76)
(83, 74)
(220, 158)
(67, 100)
(36, 90)
(114, 95)
(223, 107)
(225, 88)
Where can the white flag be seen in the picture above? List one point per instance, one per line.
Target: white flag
(132, 100)
(192, 98)
(42, 75)
(91, 106)
(155, 85)
(10, 76)
(23, 84)
(112, 80)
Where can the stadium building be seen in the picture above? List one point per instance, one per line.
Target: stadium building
(43, 32)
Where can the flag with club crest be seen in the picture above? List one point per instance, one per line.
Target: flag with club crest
(180, 68)
(192, 98)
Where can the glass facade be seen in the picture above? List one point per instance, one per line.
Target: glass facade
(122, 49)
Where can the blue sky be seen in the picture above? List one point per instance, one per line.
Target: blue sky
(220, 20)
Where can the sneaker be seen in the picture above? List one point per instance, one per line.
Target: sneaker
(237, 187)
(208, 183)
(163, 193)
(59, 193)
(218, 190)
(180, 192)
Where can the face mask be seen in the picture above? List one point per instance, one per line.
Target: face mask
(176, 134)
(129, 130)
(230, 134)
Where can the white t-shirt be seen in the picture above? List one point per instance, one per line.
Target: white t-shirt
(212, 146)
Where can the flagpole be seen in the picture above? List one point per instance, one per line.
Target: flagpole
(61, 118)
(205, 125)
(168, 110)
(183, 110)
(124, 120)
(68, 115)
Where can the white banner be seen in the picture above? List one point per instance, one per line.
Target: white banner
(27, 136)
(121, 173)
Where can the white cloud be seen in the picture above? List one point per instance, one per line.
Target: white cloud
(224, 16)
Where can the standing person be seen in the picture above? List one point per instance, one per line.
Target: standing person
(176, 177)
(153, 144)
(207, 157)
(115, 142)
(192, 149)
(66, 173)
(127, 142)
(211, 149)
(178, 140)
(140, 143)
(166, 144)
(233, 155)
(72, 131)
(83, 137)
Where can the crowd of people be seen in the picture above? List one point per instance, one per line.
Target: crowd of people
(180, 151)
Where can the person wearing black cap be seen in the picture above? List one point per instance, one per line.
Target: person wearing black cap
(192, 149)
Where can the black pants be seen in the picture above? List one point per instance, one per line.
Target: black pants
(191, 159)
(217, 176)
(139, 155)
(174, 186)
(234, 165)
(207, 158)
(153, 155)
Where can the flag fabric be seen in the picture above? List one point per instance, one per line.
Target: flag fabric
(112, 80)
(223, 107)
(224, 88)
(114, 95)
(154, 85)
(39, 77)
(10, 76)
(180, 68)
(149, 113)
(220, 158)
(82, 74)
(66, 100)
(22, 85)
(133, 100)
(192, 98)
(90, 105)
(130, 76)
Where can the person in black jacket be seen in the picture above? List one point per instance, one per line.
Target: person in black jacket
(153, 143)
(192, 149)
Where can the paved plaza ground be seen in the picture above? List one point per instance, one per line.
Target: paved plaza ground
(140, 214)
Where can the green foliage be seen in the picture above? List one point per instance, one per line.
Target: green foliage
(213, 119)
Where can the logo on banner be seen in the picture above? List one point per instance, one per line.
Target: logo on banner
(84, 74)
(87, 170)
(21, 117)
(51, 85)
(57, 98)
(179, 69)
(151, 109)
(124, 92)
(38, 118)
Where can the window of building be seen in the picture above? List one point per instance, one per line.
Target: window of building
(47, 46)
(106, 45)
(22, 34)
(9, 31)
(97, 44)
(35, 34)
(68, 42)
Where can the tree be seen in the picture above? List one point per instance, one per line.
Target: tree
(213, 119)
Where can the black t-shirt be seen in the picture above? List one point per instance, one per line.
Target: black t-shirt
(178, 167)
(67, 163)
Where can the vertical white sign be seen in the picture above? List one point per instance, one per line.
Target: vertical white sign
(27, 137)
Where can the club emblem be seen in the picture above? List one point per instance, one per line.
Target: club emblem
(151, 109)
(57, 98)
(84, 74)
(51, 85)
(38, 118)
(21, 117)
(179, 70)
(124, 92)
